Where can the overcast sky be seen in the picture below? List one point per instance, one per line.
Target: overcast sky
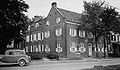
(42, 7)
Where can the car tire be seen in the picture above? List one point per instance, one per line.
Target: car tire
(22, 62)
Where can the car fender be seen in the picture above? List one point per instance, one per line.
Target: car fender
(23, 59)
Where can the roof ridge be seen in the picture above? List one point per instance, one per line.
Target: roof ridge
(69, 11)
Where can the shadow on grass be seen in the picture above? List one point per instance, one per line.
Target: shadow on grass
(109, 67)
(9, 65)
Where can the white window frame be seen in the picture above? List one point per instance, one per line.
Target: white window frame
(58, 20)
(73, 32)
(47, 34)
(59, 32)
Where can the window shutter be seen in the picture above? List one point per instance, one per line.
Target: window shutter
(75, 32)
(39, 48)
(70, 31)
(83, 33)
(31, 38)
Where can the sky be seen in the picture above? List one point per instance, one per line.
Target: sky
(42, 7)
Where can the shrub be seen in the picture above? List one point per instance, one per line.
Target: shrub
(35, 55)
(52, 56)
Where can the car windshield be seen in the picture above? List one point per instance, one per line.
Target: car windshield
(19, 53)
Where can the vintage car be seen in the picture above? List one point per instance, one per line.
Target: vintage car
(16, 56)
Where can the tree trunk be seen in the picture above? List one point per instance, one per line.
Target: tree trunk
(104, 48)
(3, 48)
(97, 55)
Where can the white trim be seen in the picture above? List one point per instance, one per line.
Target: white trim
(72, 23)
(59, 11)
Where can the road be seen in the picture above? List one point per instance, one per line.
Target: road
(58, 65)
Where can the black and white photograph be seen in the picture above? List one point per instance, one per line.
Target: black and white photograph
(59, 34)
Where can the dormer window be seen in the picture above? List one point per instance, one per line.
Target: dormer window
(47, 23)
(57, 20)
(36, 25)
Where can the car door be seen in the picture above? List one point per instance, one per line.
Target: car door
(8, 58)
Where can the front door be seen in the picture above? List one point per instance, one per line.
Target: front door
(90, 49)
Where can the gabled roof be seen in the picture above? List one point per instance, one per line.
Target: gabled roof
(70, 16)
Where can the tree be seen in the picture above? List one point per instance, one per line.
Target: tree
(100, 19)
(91, 19)
(12, 21)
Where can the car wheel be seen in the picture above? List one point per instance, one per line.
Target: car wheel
(22, 63)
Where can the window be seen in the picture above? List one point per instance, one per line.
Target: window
(81, 33)
(26, 49)
(31, 38)
(59, 48)
(82, 48)
(57, 20)
(47, 34)
(34, 38)
(36, 25)
(40, 36)
(90, 35)
(73, 48)
(81, 44)
(29, 27)
(36, 48)
(59, 32)
(73, 32)
(27, 38)
(47, 49)
(119, 38)
(10, 53)
(42, 49)
(47, 23)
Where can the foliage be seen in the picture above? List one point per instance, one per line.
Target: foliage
(12, 21)
(100, 18)
(52, 56)
(35, 55)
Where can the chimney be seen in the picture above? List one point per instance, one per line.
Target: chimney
(54, 4)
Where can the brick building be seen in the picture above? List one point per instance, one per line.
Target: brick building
(61, 32)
